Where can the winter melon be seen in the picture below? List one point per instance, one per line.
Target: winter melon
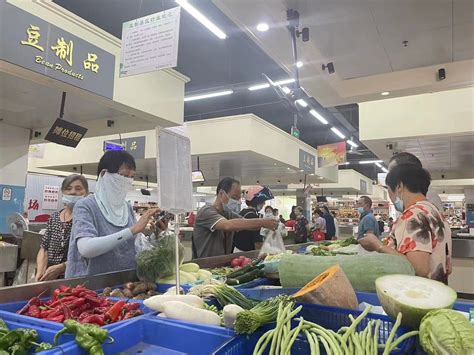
(361, 270)
(189, 267)
(413, 297)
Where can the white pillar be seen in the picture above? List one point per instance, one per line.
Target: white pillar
(14, 143)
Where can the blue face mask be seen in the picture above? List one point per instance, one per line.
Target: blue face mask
(232, 206)
(70, 200)
(399, 205)
(360, 210)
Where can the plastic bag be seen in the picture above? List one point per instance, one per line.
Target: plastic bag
(273, 243)
(156, 256)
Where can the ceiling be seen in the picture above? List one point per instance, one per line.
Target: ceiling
(365, 41)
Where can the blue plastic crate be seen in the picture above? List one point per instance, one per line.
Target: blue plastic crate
(12, 307)
(328, 317)
(154, 336)
(45, 334)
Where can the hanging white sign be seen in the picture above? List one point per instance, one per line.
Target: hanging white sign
(150, 43)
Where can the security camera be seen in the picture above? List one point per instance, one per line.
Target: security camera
(329, 66)
(37, 134)
(441, 74)
(389, 146)
(110, 123)
(305, 34)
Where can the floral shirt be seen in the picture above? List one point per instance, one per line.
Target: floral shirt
(421, 227)
(301, 233)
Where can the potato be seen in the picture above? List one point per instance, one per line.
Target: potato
(107, 291)
(127, 293)
(117, 293)
(139, 288)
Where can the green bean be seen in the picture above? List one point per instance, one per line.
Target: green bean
(351, 346)
(323, 333)
(293, 338)
(277, 329)
(392, 334)
(256, 350)
(326, 346)
(368, 340)
(355, 322)
(355, 340)
(361, 336)
(342, 345)
(376, 337)
(402, 338)
(310, 341)
(316, 343)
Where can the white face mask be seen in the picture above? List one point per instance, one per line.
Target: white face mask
(268, 215)
(110, 194)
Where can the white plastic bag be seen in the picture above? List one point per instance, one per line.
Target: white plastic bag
(273, 243)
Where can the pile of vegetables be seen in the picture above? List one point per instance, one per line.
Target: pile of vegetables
(361, 270)
(446, 331)
(240, 261)
(245, 274)
(347, 341)
(224, 294)
(135, 290)
(189, 273)
(81, 304)
(20, 340)
(331, 248)
(88, 336)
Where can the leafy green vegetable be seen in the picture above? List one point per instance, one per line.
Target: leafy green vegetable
(446, 331)
(157, 259)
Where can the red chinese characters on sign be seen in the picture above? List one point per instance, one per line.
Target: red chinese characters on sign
(33, 205)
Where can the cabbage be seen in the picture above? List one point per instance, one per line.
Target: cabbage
(447, 332)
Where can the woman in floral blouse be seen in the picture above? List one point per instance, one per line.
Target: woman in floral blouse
(421, 233)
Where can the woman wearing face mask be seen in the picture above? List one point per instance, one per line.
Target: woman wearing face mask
(421, 233)
(52, 256)
(302, 226)
(104, 228)
(255, 197)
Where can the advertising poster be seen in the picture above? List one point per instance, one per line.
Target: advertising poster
(331, 154)
(50, 197)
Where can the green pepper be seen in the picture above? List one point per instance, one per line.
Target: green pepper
(3, 326)
(17, 349)
(87, 342)
(4, 352)
(96, 332)
(42, 347)
(96, 350)
(10, 338)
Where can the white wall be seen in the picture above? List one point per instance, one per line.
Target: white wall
(14, 143)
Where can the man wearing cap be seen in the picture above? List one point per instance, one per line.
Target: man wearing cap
(216, 224)
(255, 197)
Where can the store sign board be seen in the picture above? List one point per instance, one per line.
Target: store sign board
(65, 133)
(150, 43)
(134, 145)
(307, 162)
(35, 44)
(331, 154)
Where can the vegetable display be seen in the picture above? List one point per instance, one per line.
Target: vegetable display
(245, 274)
(81, 304)
(134, 290)
(157, 303)
(88, 336)
(19, 341)
(241, 261)
(330, 288)
(361, 270)
(413, 296)
(189, 273)
(446, 332)
(224, 294)
(183, 311)
(347, 341)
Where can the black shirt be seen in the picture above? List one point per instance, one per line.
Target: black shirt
(56, 239)
(245, 240)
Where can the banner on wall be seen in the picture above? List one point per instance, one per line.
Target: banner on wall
(150, 43)
(50, 197)
(331, 154)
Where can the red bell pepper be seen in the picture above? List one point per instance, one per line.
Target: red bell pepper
(114, 312)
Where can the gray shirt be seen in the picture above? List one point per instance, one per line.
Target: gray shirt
(207, 240)
(368, 223)
(88, 221)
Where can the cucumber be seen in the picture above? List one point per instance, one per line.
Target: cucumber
(249, 276)
(243, 270)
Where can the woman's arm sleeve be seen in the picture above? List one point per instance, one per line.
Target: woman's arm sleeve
(91, 247)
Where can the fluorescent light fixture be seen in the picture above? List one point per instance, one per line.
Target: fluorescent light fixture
(201, 18)
(301, 102)
(352, 144)
(318, 116)
(385, 170)
(301, 170)
(299, 64)
(385, 93)
(266, 85)
(338, 132)
(286, 90)
(378, 164)
(370, 161)
(262, 27)
(209, 95)
(345, 163)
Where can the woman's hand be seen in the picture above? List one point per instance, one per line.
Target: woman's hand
(142, 223)
(370, 242)
(53, 272)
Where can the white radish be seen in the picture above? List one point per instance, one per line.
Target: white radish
(161, 315)
(182, 311)
(156, 303)
(230, 314)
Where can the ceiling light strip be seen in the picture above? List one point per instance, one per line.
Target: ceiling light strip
(352, 143)
(318, 116)
(208, 95)
(201, 18)
(370, 161)
(266, 85)
(338, 132)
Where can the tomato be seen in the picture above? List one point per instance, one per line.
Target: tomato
(235, 262)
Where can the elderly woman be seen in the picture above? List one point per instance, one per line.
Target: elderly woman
(52, 256)
(421, 233)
